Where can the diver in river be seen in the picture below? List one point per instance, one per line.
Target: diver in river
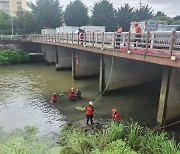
(78, 94)
(71, 94)
(54, 98)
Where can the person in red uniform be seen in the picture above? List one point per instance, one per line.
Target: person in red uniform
(89, 113)
(115, 115)
(54, 98)
(71, 94)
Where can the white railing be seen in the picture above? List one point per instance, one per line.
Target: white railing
(164, 43)
(10, 37)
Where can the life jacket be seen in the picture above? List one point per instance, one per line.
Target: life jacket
(138, 29)
(54, 98)
(116, 117)
(71, 95)
(89, 110)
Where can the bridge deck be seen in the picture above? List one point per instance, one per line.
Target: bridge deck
(105, 43)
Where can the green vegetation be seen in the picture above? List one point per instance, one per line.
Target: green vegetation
(118, 138)
(10, 56)
(25, 142)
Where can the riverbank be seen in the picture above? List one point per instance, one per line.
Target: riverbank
(13, 56)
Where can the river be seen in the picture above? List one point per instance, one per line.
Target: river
(26, 92)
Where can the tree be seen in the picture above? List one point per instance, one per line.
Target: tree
(76, 14)
(124, 16)
(47, 13)
(177, 22)
(5, 23)
(163, 18)
(26, 22)
(160, 13)
(144, 13)
(103, 14)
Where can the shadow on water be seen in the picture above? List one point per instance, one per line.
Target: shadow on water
(26, 92)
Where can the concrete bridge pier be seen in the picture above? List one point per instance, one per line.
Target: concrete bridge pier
(169, 102)
(84, 64)
(126, 73)
(63, 58)
(49, 52)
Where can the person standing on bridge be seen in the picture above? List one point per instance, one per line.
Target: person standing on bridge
(89, 113)
(81, 35)
(137, 35)
(118, 37)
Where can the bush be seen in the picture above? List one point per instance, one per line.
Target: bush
(10, 56)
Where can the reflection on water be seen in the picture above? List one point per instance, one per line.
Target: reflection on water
(26, 92)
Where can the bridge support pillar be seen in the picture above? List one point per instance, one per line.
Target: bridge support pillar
(49, 53)
(84, 64)
(127, 72)
(169, 102)
(63, 58)
(101, 75)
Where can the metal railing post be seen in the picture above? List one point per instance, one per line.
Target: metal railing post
(78, 37)
(147, 42)
(129, 38)
(67, 37)
(102, 40)
(172, 42)
(93, 40)
(114, 40)
(72, 38)
(85, 39)
(62, 37)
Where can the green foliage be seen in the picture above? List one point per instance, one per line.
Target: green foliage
(10, 56)
(5, 23)
(159, 13)
(164, 18)
(144, 13)
(117, 138)
(177, 22)
(47, 13)
(124, 16)
(25, 142)
(76, 14)
(103, 14)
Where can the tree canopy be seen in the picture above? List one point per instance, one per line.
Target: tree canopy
(5, 23)
(47, 13)
(103, 14)
(76, 14)
(144, 13)
(124, 16)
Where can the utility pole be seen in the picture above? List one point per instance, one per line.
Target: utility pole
(140, 4)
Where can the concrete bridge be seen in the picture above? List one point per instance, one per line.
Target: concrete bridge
(157, 57)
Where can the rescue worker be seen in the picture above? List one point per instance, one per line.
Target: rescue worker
(138, 34)
(71, 94)
(54, 98)
(115, 115)
(118, 36)
(89, 112)
(78, 93)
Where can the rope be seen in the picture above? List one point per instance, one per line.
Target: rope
(110, 74)
(166, 126)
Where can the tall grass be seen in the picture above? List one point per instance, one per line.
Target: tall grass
(118, 139)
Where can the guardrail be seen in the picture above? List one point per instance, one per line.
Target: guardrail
(165, 44)
(10, 37)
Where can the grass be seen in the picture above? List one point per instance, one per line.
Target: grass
(120, 138)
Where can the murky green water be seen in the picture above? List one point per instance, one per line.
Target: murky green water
(26, 92)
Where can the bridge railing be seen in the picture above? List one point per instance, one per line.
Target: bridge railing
(164, 44)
